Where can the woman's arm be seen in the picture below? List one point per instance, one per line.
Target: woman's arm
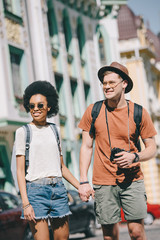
(28, 211)
(21, 178)
(68, 175)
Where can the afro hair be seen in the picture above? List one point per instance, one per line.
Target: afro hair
(46, 89)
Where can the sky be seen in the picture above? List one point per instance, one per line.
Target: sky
(150, 10)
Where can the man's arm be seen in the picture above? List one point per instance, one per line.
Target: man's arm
(127, 159)
(85, 190)
(149, 151)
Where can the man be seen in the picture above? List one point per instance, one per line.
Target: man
(118, 183)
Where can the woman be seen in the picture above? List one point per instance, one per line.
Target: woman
(42, 200)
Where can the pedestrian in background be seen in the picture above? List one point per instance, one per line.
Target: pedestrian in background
(43, 193)
(117, 177)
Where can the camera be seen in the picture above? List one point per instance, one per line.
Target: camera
(113, 152)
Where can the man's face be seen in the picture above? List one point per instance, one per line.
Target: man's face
(113, 85)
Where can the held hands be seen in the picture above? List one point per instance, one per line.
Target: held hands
(85, 191)
(124, 159)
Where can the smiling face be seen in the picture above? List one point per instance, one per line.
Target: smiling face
(38, 109)
(113, 85)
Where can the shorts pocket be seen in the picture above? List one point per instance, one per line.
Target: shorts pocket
(60, 189)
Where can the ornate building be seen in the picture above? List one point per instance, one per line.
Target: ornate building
(64, 42)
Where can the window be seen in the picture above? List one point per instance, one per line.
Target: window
(2, 172)
(75, 98)
(5, 171)
(12, 6)
(15, 58)
(81, 37)
(18, 71)
(87, 93)
(52, 25)
(60, 90)
(52, 22)
(102, 49)
(62, 105)
(68, 159)
(81, 41)
(67, 31)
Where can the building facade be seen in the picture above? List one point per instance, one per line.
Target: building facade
(63, 42)
(140, 52)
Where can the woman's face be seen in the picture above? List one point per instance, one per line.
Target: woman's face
(38, 109)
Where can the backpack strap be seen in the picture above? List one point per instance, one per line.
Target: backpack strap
(27, 129)
(95, 112)
(55, 131)
(137, 119)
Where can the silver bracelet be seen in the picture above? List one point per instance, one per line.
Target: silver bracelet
(26, 206)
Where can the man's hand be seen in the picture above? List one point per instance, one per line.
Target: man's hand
(124, 160)
(85, 191)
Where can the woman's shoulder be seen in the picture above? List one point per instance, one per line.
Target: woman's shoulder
(55, 126)
(21, 131)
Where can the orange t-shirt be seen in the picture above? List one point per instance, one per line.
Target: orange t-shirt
(104, 172)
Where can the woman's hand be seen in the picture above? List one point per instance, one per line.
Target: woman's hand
(29, 214)
(85, 191)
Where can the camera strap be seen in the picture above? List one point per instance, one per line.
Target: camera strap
(108, 128)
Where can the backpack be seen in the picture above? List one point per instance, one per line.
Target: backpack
(28, 134)
(137, 119)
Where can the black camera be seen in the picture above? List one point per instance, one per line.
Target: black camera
(113, 152)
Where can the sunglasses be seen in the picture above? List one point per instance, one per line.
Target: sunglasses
(111, 84)
(39, 106)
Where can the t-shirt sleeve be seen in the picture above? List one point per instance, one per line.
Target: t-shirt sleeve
(147, 129)
(20, 141)
(85, 122)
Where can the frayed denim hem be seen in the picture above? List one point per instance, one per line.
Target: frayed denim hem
(67, 214)
(48, 216)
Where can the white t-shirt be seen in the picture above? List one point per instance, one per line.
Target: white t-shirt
(44, 157)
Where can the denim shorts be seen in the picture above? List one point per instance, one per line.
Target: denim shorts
(110, 199)
(48, 200)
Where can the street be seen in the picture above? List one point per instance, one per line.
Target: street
(152, 232)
